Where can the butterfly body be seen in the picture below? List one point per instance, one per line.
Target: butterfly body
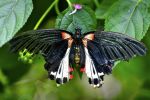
(93, 52)
(77, 42)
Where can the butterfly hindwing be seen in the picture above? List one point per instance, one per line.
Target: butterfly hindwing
(95, 74)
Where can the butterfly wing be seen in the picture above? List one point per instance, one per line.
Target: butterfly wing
(37, 40)
(117, 46)
(54, 46)
(103, 49)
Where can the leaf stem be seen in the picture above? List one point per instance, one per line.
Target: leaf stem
(44, 15)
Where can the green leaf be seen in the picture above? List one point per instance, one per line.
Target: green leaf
(146, 2)
(13, 15)
(83, 18)
(103, 9)
(130, 17)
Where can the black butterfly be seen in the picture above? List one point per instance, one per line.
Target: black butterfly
(94, 52)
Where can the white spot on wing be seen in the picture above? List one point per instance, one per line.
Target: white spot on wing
(101, 74)
(53, 73)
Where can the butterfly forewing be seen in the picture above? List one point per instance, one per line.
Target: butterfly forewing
(123, 46)
(32, 40)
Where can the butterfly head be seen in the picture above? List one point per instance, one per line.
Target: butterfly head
(77, 33)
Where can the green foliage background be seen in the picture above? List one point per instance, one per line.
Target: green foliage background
(21, 81)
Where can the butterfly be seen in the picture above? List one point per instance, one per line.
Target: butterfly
(93, 52)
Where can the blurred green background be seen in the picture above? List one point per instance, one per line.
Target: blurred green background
(20, 81)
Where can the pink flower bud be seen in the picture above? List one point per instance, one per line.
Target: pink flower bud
(77, 6)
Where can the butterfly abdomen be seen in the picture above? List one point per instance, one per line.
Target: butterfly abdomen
(77, 55)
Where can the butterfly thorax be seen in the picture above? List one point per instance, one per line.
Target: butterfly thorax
(77, 36)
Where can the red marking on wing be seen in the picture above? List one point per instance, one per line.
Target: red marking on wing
(82, 69)
(65, 35)
(70, 40)
(71, 76)
(71, 69)
(89, 36)
(84, 42)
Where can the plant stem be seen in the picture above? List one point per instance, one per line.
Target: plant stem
(96, 3)
(44, 15)
(56, 7)
(69, 3)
